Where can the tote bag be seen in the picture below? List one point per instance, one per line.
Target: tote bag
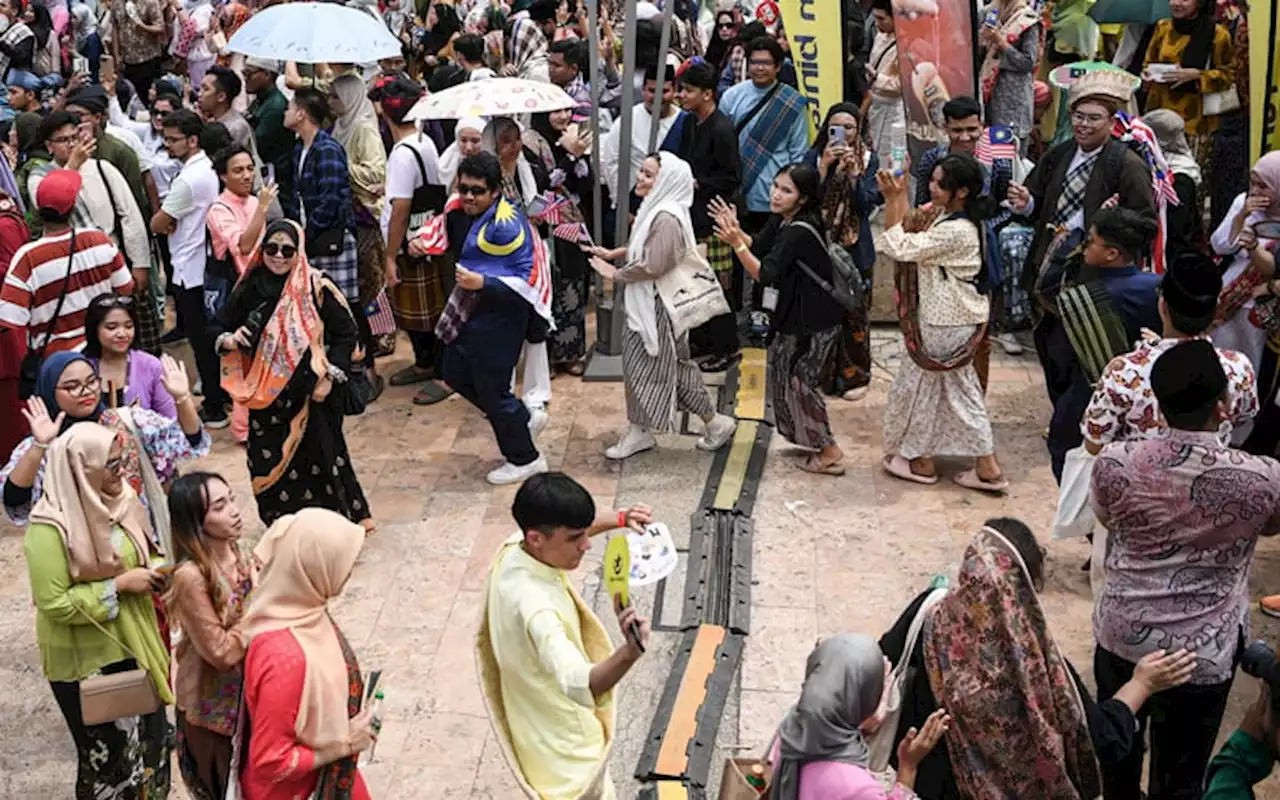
(1074, 517)
(691, 293)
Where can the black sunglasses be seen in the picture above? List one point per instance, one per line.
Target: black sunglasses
(282, 250)
(158, 114)
(474, 191)
(726, 26)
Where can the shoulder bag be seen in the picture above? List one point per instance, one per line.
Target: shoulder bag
(1215, 104)
(691, 293)
(29, 369)
(884, 740)
(845, 287)
(427, 198)
(106, 698)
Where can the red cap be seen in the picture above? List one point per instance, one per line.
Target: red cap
(58, 191)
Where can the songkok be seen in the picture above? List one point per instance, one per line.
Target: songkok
(91, 98)
(1190, 288)
(1188, 377)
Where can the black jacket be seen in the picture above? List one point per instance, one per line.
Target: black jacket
(711, 149)
(804, 307)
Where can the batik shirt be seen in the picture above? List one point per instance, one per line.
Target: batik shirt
(1124, 406)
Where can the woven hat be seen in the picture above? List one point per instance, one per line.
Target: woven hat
(1113, 84)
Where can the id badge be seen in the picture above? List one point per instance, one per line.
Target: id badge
(769, 298)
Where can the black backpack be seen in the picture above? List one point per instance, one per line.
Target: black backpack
(845, 286)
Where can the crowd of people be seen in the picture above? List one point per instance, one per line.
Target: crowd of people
(290, 220)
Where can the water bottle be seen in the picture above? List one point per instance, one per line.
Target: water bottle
(898, 147)
(375, 723)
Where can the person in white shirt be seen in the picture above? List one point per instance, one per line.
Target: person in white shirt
(612, 150)
(182, 218)
(150, 134)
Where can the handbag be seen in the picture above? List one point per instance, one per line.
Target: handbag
(884, 740)
(1214, 104)
(29, 368)
(107, 698)
(326, 243)
(1074, 516)
(691, 293)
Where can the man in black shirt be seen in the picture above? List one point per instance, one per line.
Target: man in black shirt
(710, 146)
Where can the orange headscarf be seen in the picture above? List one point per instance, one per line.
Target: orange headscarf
(255, 380)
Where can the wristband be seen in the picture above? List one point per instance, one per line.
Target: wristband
(622, 519)
(740, 248)
(186, 398)
(41, 445)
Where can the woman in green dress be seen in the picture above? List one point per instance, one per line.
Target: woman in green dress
(89, 549)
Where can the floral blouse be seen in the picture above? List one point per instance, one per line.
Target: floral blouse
(162, 438)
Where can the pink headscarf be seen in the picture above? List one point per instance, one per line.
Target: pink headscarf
(1268, 171)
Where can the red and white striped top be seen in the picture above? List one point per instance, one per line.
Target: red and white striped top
(36, 275)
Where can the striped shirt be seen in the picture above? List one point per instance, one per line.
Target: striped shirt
(35, 280)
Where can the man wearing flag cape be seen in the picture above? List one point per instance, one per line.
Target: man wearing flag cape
(503, 293)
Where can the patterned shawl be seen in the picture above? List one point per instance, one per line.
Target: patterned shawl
(1018, 724)
(768, 132)
(528, 47)
(257, 379)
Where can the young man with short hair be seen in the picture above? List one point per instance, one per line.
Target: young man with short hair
(963, 116)
(182, 218)
(274, 141)
(24, 92)
(710, 147)
(219, 89)
(495, 304)
(566, 62)
(549, 667)
(38, 273)
(670, 125)
(468, 49)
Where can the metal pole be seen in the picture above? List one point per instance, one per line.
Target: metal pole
(597, 210)
(655, 109)
(606, 356)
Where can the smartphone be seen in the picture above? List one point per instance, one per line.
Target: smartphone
(536, 206)
(268, 171)
(836, 134)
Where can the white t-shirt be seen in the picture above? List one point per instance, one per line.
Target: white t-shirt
(404, 177)
(188, 201)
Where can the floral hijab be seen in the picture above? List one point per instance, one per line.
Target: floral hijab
(256, 380)
(987, 649)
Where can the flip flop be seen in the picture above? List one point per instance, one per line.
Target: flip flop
(835, 470)
(576, 368)
(969, 479)
(411, 375)
(431, 394)
(899, 467)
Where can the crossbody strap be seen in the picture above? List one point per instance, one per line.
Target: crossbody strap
(813, 276)
(62, 295)
(116, 231)
(108, 633)
(737, 129)
(917, 625)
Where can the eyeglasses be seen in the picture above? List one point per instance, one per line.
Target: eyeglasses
(114, 465)
(1081, 118)
(158, 114)
(174, 139)
(88, 386)
(68, 139)
(472, 190)
(758, 63)
(282, 250)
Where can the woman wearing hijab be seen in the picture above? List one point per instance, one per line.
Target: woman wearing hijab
(526, 55)
(820, 753)
(468, 141)
(17, 45)
(69, 392)
(355, 126)
(88, 551)
(46, 59)
(1248, 318)
(990, 631)
(1198, 59)
(1184, 229)
(723, 37)
(302, 684)
(437, 42)
(1013, 46)
(849, 195)
(288, 343)
(557, 143)
(660, 377)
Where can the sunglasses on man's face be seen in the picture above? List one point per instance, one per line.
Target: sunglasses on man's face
(282, 250)
(473, 191)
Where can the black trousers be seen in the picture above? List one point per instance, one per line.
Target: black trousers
(426, 350)
(190, 303)
(143, 74)
(1184, 724)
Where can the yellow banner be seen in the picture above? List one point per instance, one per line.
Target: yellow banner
(1264, 80)
(814, 28)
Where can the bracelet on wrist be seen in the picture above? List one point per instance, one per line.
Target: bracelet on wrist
(41, 445)
(622, 519)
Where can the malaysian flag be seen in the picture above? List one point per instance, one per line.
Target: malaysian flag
(555, 209)
(575, 232)
(502, 245)
(433, 232)
(1139, 136)
(997, 142)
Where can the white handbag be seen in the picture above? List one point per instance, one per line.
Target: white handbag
(1215, 103)
(884, 740)
(691, 293)
(1075, 517)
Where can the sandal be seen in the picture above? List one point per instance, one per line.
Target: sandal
(370, 527)
(815, 466)
(432, 393)
(412, 374)
(970, 479)
(899, 467)
(576, 368)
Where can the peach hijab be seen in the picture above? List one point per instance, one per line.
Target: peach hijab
(73, 502)
(307, 558)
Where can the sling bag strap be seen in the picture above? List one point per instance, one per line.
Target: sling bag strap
(764, 101)
(62, 295)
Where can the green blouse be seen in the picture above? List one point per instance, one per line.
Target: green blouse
(73, 648)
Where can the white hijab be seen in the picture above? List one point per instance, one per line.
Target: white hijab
(452, 157)
(524, 172)
(671, 193)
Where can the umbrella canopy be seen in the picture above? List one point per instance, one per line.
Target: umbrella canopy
(494, 97)
(315, 33)
(1145, 12)
(1062, 77)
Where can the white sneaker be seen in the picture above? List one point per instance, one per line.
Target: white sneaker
(635, 440)
(719, 431)
(856, 394)
(510, 473)
(538, 420)
(1010, 344)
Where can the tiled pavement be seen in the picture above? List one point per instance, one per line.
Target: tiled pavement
(830, 555)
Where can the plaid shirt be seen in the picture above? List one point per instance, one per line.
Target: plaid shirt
(323, 185)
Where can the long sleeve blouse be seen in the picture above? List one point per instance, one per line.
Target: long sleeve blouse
(803, 307)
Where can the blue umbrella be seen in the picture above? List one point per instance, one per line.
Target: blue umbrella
(1145, 12)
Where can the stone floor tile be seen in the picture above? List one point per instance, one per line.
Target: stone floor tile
(446, 740)
(780, 641)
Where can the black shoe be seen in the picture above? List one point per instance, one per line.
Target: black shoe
(175, 336)
(214, 421)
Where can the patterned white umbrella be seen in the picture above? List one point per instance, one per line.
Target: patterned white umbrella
(494, 97)
(315, 33)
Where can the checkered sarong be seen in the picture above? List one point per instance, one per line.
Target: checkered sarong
(420, 296)
(1073, 188)
(719, 254)
(343, 269)
(149, 325)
